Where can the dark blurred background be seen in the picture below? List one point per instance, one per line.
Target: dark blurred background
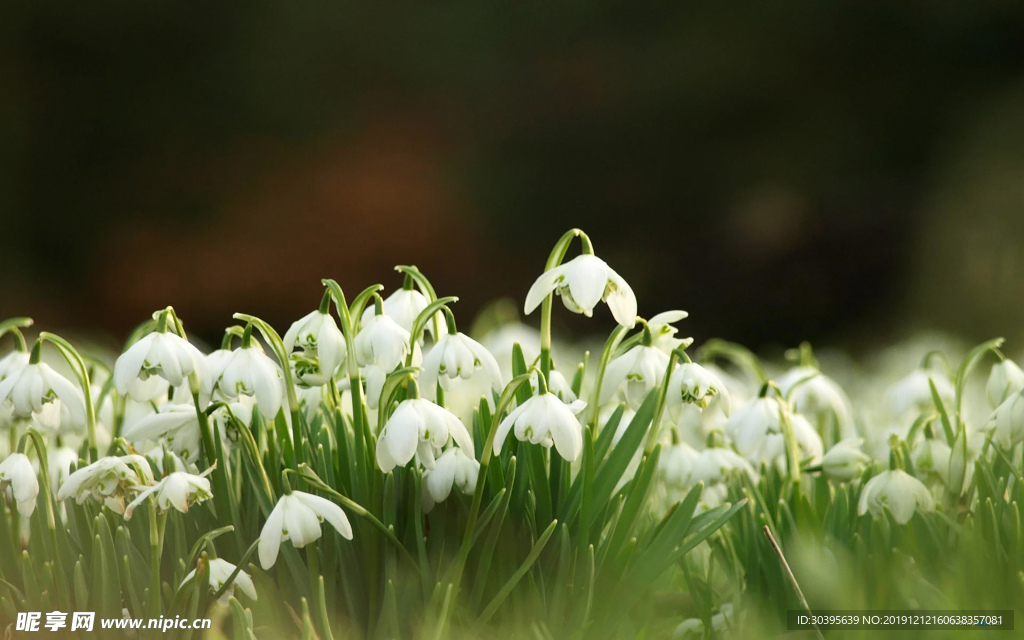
(832, 171)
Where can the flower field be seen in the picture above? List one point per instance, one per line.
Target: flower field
(376, 472)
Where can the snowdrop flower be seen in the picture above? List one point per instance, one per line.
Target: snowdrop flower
(321, 344)
(241, 408)
(773, 445)
(452, 468)
(403, 306)
(897, 491)
(59, 461)
(309, 399)
(639, 370)
(382, 342)
(557, 384)
(501, 342)
(914, 392)
(177, 425)
(1009, 421)
(297, 517)
(12, 363)
(715, 466)
(751, 424)
(178, 490)
(931, 459)
(163, 355)
(456, 355)
(418, 426)
(216, 362)
(676, 463)
(1005, 380)
(817, 396)
(248, 371)
(664, 334)
(691, 383)
(220, 571)
(17, 471)
(545, 420)
(582, 283)
(693, 628)
(108, 479)
(604, 419)
(845, 461)
(32, 388)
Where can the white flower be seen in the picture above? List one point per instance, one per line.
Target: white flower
(241, 408)
(321, 344)
(402, 306)
(453, 468)
(458, 356)
(178, 490)
(382, 342)
(664, 334)
(914, 391)
(691, 383)
(714, 467)
(1005, 380)
(12, 363)
(162, 354)
(605, 415)
(931, 459)
(545, 420)
(30, 389)
(177, 425)
(817, 396)
(808, 442)
(108, 479)
(17, 471)
(502, 341)
(676, 464)
(845, 461)
(582, 283)
(248, 371)
(1009, 420)
(297, 517)
(59, 461)
(418, 426)
(897, 491)
(557, 384)
(309, 399)
(639, 371)
(220, 571)
(693, 628)
(752, 423)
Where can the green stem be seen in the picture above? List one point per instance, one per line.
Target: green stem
(77, 364)
(157, 524)
(554, 259)
(659, 407)
(507, 396)
(317, 589)
(606, 355)
(277, 346)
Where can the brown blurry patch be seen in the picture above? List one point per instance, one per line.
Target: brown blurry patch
(348, 207)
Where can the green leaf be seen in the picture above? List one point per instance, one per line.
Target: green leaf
(510, 584)
(610, 472)
(947, 426)
(970, 361)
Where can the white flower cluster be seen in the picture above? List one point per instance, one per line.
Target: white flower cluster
(426, 401)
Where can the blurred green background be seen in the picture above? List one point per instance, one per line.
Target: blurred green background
(839, 172)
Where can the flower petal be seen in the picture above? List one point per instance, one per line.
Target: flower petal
(270, 537)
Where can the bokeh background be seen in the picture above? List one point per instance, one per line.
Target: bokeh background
(845, 172)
